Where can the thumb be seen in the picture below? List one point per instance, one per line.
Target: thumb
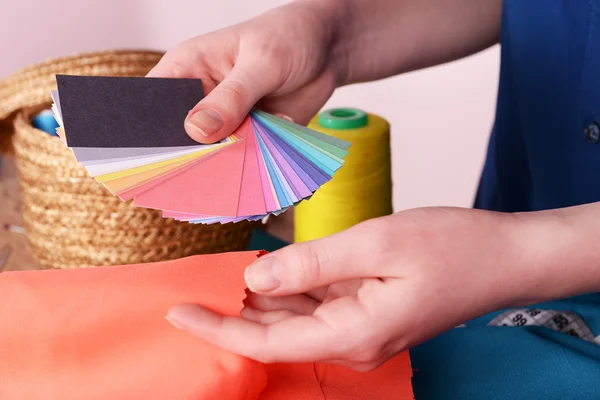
(221, 112)
(302, 267)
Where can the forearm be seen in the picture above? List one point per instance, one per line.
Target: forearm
(556, 255)
(380, 38)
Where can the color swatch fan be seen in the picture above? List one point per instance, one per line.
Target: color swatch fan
(128, 133)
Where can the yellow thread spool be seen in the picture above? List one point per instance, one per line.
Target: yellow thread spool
(362, 188)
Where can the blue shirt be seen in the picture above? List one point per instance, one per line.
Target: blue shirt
(539, 155)
(543, 154)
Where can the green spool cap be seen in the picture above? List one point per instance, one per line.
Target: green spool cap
(343, 118)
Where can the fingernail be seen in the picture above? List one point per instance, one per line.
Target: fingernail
(280, 115)
(174, 323)
(263, 275)
(205, 121)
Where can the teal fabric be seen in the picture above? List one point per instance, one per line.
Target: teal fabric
(484, 362)
(261, 240)
(520, 363)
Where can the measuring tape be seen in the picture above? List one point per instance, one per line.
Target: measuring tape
(562, 321)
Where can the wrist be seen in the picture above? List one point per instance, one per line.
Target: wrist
(555, 255)
(336, 17)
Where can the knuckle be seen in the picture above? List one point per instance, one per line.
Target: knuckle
(367, 367)
(375, 355)
(177, 68)
(181, 61)
(371, 349)
(304, 263)
(190, 52)
(314, 260)
(368, 356)
(265, 358)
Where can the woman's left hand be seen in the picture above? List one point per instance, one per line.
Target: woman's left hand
(359, 297)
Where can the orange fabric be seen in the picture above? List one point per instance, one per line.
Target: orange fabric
(100, 333)
(392, 380)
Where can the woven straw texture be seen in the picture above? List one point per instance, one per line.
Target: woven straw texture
(71, 220)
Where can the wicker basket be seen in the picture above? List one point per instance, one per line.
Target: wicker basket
(71, 220)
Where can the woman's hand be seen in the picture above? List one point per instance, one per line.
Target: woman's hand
(289, 60)
(285, 60)
(359, 297)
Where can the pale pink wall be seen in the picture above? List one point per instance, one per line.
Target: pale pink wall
(440, 117)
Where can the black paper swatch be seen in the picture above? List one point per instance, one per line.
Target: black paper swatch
(103, 111)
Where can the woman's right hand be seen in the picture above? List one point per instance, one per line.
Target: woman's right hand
(284, 60)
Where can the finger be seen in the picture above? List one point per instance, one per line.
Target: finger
(182, 61)
(345, 288)
(356, 366)
(302, 104)
(284, 116)
(161, 69)
(166, 69)
(225, 107)
(299, 304)
(266, 317)
(317, 294)
(296, 339)
(302, 267)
